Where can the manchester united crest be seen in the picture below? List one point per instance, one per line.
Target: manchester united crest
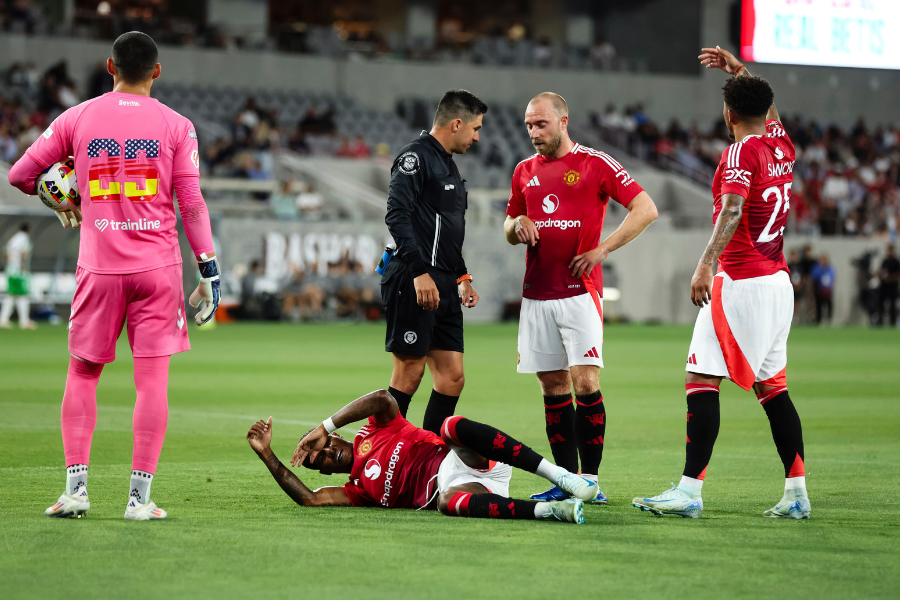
(365, 447)
(572, 177)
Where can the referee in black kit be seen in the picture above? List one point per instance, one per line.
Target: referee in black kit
(426, 281)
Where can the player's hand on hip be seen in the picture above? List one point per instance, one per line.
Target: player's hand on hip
(468, 297)
(310, 445)
(701, 285)
(427, 295)
(526, 231)
(583, 264)
(260, 436)
(208, 290)
(717, 58)
(69, 218)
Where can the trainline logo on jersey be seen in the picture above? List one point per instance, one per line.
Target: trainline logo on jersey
(550, 203)
(372, 470)
(388, 479)
(129, 225)
(129, 103)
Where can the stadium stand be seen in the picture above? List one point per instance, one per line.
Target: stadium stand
(845, 182)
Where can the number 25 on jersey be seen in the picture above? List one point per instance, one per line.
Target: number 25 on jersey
(114, 177)
(779, 214)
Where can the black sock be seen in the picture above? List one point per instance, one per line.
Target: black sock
(590, 428)
(702, 428)
(403, 399)
(440, 406)
(787, 433)
(484, 506)
(493, 444)
(560, 416)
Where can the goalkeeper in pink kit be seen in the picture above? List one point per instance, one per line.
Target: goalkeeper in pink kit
(132, 155)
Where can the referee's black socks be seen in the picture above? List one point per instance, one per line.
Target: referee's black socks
(403, 399)
(440, 407)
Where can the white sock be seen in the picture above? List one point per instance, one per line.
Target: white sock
(76, 477)
(542, 510)
(591, 478)
(6, 309)
(140, 486)
(690, 486)
(548, 470)
(23, 306)
(795, 487)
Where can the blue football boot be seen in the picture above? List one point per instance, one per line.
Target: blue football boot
(554, 494)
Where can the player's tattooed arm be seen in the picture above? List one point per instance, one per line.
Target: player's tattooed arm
(772, 115)
(260, 438)
(726, 225)
(378, 404)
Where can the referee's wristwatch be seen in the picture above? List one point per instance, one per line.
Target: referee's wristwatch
(466, 277)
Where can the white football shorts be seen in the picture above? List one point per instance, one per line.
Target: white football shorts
(742, 334)
(453, 471)
(557, 334)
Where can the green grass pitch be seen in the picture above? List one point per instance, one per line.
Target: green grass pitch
(232, 533)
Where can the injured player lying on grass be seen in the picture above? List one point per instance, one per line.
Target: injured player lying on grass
(392, 463)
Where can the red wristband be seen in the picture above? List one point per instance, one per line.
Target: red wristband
(738, 70)
(465, 277)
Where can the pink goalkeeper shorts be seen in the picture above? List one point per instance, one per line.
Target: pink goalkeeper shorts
(152, 302)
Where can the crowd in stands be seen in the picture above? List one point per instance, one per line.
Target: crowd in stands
(813, 278)
(346, 290)
(846, 182)
(500, 45)
(31, 99)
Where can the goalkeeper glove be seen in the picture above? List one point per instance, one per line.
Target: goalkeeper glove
(208, 289)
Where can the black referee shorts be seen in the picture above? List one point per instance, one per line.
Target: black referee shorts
(412, 329)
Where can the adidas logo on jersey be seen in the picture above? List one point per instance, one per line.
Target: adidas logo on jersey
(534, 182)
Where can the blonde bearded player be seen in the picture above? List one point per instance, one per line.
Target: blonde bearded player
(743, 325)
(556, 207)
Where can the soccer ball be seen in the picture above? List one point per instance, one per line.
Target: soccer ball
(58, 188)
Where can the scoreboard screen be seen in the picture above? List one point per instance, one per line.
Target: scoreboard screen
(834, 33)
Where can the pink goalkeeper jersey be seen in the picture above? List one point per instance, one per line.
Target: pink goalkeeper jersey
(127, 151)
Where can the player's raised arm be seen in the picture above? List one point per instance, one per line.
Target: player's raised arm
(260, 438)
(717, 58)
(378, 404)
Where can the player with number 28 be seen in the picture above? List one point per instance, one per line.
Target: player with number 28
(132, 156)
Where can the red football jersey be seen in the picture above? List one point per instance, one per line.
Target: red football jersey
(759, 168)
(566, 198)
(394, 465)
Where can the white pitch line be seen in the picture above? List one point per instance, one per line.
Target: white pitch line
(181, 412)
